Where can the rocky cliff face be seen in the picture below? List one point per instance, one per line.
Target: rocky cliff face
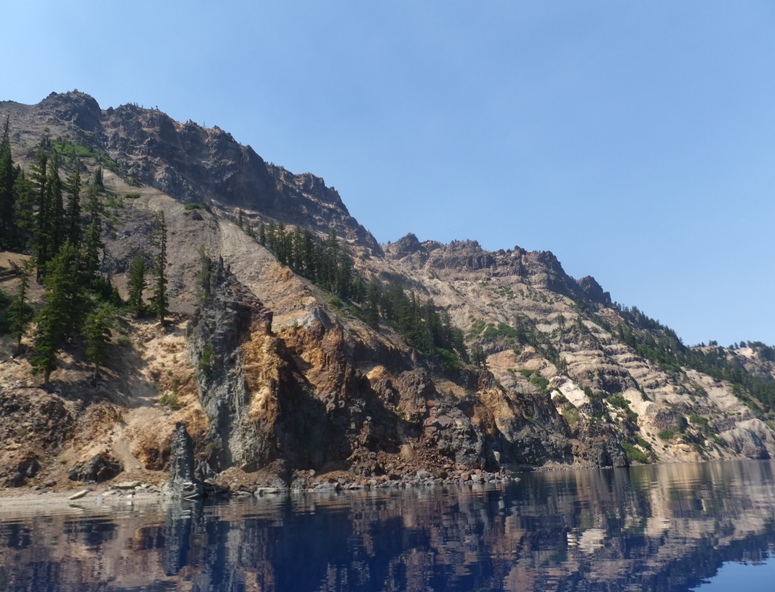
(268, 370)
(188, 162)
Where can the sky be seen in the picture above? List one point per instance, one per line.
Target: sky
(634, 140)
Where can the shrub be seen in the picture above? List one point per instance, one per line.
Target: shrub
(206, 358)
(634, 454)
(448, 359)
(570, 414)
(643, 443)
(700, 421)
(620, 402)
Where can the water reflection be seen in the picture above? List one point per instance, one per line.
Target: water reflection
(647, 528)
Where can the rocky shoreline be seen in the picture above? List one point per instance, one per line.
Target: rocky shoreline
(133, 494)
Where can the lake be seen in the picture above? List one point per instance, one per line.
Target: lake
(705, 527)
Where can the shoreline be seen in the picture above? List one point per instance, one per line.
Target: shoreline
(28, 501)
(110, 496)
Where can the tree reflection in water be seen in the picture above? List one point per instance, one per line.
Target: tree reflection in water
(646, 528)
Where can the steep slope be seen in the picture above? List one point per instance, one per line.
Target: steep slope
(279, 378)
(543, 330)
(186, 161)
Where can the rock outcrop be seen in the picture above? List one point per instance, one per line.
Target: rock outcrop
(287, 382)
(182, 481)
(100, 467)
(230, 331)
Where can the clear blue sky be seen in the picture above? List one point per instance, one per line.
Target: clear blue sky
(635, 140)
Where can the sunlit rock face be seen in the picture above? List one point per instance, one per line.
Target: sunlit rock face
(269, 371)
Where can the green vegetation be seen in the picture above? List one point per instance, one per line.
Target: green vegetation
(20, 313)
(620, 402)
(634, 454)
(536, 379)
(571, 414)
(666, 435)
(73, 151)
(701, 422)
(204, 277)
(5, 303)
(421, 324)
(325, 263)
(206, 359)
(43, 214)
(568, 411)
(8, 195)
(159, 304)
(489, 332)
(448, 359)
(660, 344)
(97, 334)
(505, 292)
(62, 311)
(136, 285)
(170, 398)
(189, 207)
(521, 332)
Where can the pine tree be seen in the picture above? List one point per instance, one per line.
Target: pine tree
(204, 277)
(308, 256)
(97, 334)
(92, 240)
(73, 217)
(56, 207)
(373, 298)
(61, 312)
(39, 176)
(478, 357)
(344, 277)
(20, 313)
(136, 285)
(160, 301)
(97, 181)
(24, 207)
(8, 234)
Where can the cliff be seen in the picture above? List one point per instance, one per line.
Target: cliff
(284, 380)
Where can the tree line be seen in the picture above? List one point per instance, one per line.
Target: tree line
(423, 325)
(61, 223)
(660, 344)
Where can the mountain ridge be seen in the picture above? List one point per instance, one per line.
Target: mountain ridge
(413, 358)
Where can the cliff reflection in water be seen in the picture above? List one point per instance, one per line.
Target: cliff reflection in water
(649, 528)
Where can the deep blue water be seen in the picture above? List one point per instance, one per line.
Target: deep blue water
(705, 527)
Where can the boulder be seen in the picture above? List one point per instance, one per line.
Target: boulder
(100, 467)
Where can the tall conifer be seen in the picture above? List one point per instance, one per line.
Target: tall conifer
(160, 301)
(56, 206)
(8, 234)
(24, 211)
(136, 285)
(97, 334)
(20, 312)
(92, 240)
(39, 177)
(60, 313)
(73, 217)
